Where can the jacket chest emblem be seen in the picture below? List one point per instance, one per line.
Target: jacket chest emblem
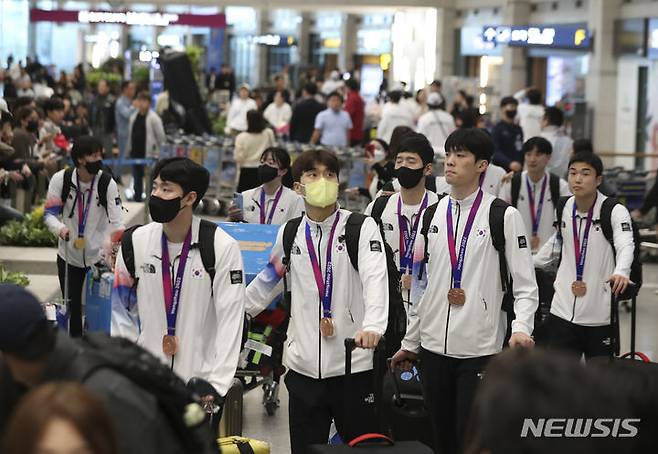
(197, 273)
(148, 268)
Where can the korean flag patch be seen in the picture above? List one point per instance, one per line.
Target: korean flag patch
(625, 227)
(236, 276)
(375, 246)
(523, 243)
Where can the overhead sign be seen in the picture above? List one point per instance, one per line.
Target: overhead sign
(129, 18)
(551, 36)
(274, 40)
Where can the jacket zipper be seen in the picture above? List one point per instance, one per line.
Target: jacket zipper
(320, 305)
(445, 342)
(573, 307)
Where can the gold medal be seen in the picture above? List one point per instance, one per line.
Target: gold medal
(534, 242)
(79, 243)
(405, 282)
(579, 288)
(327, 327)
(457, 296)
(169, 345)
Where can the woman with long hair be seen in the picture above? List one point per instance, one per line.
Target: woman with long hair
(249, 147)
(60, 418)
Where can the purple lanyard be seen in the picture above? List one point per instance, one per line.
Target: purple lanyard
(536, 216)
(325, 287)
(172, 298)
(458, 262)
(83, 213)
(274, 205)
(407, 239)
(581, 249)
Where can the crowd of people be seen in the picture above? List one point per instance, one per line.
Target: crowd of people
(464, 245)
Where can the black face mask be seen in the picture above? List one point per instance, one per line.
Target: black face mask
(409, 178)
(511, 114)
(267, 173)
(94, 167)
(32, 126)
(162, 210)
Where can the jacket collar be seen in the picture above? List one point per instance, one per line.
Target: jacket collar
(327, 222)
(157, 236)
(467, 202)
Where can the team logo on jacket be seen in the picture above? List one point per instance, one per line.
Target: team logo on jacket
(197, 273)
(523, 243)
(375, 246)
(148, 268)
(295, 250)
(625, 227)
(433, 229)
(481, 233)
(387, 227)
(236, 276)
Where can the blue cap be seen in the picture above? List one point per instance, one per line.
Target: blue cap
(20, 314)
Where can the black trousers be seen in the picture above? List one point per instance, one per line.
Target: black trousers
(138, 182)
(76, 284)
(314, 403)
(559, 334)
(449, 386)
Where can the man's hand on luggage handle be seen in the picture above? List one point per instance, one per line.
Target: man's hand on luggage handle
(521, 340)
(404, 360)
(367, 339)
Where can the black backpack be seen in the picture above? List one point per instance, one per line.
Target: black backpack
(397, 316)
(605, 220)
(100, 351)
(497, 229)
(103, 184)
(553, 184)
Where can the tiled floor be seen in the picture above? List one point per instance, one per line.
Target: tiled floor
(274, 429)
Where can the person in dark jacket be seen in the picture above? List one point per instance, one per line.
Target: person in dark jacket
(302, 122)
(508, 137)
(34, 353)
(102, 117)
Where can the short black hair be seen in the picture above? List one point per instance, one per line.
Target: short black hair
(554, 116)
(534, 96)
(309, 159)
(508, 100)
(352, 84)
(335, 94)
(144, 96)
(590, 159)
(311, 88)
(23, 112)
(399, 132)
(540, 144)
(53, 104)
(580, 145)
(85, 146)
(282, 158)
(417, 143)
(473, 140)
(184, 172)
(255, 121)
(395, 96)
(436, 83)
(6, 117)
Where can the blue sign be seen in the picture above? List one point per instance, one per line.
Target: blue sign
(575, 36)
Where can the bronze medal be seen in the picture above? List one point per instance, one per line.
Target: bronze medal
(406, 281)
(579, 288)
(457, 296)
(534, 242)
(327, 327)
(169, 345)
(79, 243)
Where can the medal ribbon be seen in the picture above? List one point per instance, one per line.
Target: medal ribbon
(581, 249)
(535, 215)
(172, 296)
(83, 213)
(325, 286)
(408, 239)
(458, 262)
(274, 205)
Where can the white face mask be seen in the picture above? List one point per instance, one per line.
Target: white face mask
(379, 154)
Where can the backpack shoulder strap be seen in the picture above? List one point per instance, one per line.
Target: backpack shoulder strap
(562, 201)
(353, 236)
(428, 215)
(388, 187)
(497, 229)
(378, 207)
(207, 246)
(554, 186)
(289, 234)
(103, 184)
(430, 182)
(127, 250)
(66, 189)
(516, 188)
(606, 220)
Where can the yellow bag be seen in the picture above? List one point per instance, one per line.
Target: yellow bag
(240, 445)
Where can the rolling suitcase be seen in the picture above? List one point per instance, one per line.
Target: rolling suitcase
(403, 407)
(371, 443)
(232, 411)
(241, 445)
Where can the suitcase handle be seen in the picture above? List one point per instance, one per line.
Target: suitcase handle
(370, 437)
(640, 355)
